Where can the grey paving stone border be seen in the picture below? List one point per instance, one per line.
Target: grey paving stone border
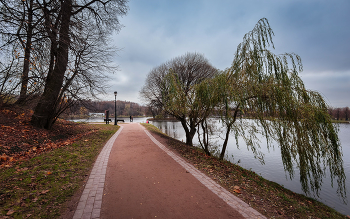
(243, 208)
(91, 200)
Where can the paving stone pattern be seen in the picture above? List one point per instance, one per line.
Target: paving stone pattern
(91, 200)
(233, 201)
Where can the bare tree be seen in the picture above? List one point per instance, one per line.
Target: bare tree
(173, 87)
(64, 19)
(20, 29)
(337, 113)
(88, 65)
(9, 71)
(154, 108)
(346, 113)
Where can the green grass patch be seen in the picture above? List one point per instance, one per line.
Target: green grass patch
(39, 187)
(339, 121)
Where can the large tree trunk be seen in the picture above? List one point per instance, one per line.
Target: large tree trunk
(44, 113)
(190, 132)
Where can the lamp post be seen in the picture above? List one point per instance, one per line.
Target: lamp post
(115, 108)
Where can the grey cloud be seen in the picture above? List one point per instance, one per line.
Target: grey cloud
(156, 31)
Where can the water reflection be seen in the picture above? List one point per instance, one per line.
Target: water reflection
(273, 169)
(172, 129)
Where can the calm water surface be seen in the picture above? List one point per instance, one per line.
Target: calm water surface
(273, 168)
(101, 119)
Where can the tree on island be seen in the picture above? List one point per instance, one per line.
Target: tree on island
(282, 110)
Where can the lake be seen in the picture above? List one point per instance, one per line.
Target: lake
(273, 168)
(101, 119)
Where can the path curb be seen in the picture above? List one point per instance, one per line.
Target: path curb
(91, 200)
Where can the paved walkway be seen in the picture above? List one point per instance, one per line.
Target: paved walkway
(135, 176)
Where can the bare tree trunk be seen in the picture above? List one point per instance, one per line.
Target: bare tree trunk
(26, 63)
(229, 126)
(223, 150)
(346, 112)
(205, 143)
(43, 116)
(338, 113)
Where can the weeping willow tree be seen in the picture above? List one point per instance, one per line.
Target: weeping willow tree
(268, 89)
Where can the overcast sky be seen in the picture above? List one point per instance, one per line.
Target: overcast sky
(156, 31)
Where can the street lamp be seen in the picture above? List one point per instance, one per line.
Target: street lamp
(115, 108)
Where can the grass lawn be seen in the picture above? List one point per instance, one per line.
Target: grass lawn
(40, 187)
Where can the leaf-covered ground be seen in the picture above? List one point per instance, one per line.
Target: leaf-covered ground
(269, 198)
(19, 140)
(41, 170)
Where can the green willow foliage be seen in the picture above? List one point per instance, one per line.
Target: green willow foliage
(189, 103)
(267, 87)
(193, 106)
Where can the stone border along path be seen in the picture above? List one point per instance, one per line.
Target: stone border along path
(91, 200)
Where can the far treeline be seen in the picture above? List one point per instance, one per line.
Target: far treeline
(128, 108)
(339, 113)
(124, 108)
(263, 85)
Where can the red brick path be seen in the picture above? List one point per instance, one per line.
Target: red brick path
(144, 179)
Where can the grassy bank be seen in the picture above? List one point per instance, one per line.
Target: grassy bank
(269, 198)
(40, 187)
(340, 121)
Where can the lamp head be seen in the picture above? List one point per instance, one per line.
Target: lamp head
(115, 93)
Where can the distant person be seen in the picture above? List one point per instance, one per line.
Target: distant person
(130, 118)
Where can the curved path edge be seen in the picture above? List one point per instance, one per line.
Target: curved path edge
(91, 200)
(236, 203)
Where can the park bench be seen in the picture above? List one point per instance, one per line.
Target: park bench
(107, 119)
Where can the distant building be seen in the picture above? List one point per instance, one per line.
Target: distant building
(96, 114)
